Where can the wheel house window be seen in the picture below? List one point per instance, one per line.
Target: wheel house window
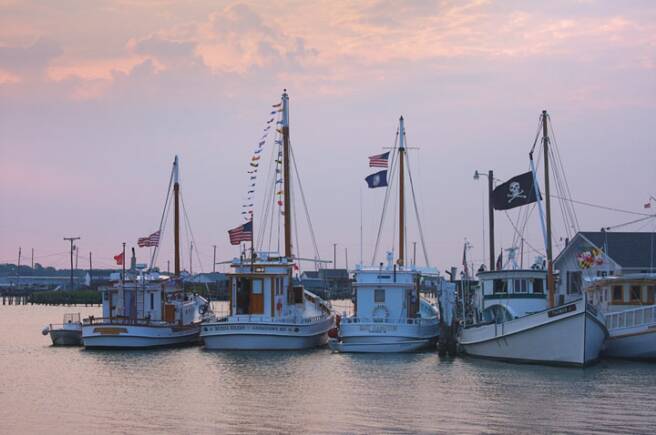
(379, 295)
(617, 294)
(635, 293)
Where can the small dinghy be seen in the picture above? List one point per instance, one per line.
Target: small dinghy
(68, 333)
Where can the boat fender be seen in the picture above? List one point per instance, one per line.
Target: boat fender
(45, 330)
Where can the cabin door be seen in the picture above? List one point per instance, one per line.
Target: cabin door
(256, 302)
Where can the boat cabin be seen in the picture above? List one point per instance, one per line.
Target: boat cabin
(507, 294)
(147, 298)
(388, 293)
(262, 287)
(619, 293)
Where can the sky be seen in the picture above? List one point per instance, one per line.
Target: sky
(96, 99)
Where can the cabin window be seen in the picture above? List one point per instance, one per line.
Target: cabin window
(519, 286)
(651, 293)
(152, 301)
(635, 293)
(257, 287)
(538, 286)
(573, 282)
(617, 293)
(379, 295)
(499, 286)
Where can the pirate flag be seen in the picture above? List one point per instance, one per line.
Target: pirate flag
(515, 192)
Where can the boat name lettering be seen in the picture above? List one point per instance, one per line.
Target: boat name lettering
(562, 310)
(252, 328)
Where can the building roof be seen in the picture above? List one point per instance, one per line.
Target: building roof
(629, 250)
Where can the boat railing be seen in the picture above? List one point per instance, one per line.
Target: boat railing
(406, 321)
(119, 320)
(631, 318)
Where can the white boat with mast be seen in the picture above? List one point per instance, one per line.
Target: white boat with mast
(390, 315)
(267, 311)
(516, 322)
(145, 309)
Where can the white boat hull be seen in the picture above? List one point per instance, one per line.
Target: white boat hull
(230, 335)
(378, 337)
(639, 343)
(106, 336)
(66, 337)
(566, 335)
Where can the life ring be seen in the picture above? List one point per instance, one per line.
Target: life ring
(380, 312)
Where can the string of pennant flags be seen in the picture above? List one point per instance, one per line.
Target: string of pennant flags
(244, 232)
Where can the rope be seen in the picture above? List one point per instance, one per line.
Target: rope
(304, 201)
(161, 221)
(414, 202)
(386, 200)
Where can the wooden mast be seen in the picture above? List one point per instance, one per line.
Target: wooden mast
(286, 178)
(550, 278)
(176, 224)
(401, 193)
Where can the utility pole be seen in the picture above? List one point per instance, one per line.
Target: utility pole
(73, 239)
(90, 269)
(214, 261)
(18, 268)
(334, 255)
(346, 257)
(32, 259)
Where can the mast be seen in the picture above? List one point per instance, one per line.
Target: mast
(401, 192)
(490, 205)
(176, 223)
(550, 277)
(286, 187)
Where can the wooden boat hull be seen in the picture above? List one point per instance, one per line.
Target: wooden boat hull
(639, 343)
(117, 336)
(566, 335)
(377, 337)
(66, 337)
(265, 335)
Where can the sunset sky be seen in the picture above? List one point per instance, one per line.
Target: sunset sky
(97, 97)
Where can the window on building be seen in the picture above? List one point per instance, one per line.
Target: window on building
(618, 293)
(379, 295)
(574, 282)
(538, 285)
(635, 293)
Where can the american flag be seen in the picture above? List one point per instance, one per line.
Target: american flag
(379, 160)
(152, 240)
(243, 233)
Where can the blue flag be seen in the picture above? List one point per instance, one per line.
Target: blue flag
(379, 179)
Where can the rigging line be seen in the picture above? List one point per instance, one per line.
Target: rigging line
(386, 199)
(630, 222)
(191, 232)
(304, 201)
(619, 210)
(569, 193)
(267, 199)
(537, 135)
(162, 237)
(292, 194)
(161, 220)
(414, 201)
(526, 241)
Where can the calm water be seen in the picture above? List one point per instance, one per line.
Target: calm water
(59, 390)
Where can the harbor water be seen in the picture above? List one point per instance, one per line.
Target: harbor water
(190, 390)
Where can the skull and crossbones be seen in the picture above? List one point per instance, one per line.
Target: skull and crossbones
(515, 192)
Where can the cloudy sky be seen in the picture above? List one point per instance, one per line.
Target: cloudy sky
(97, 97)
